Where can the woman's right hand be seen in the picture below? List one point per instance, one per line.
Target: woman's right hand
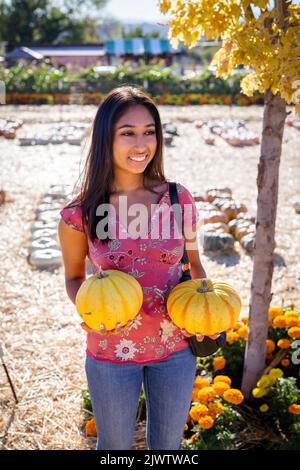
(103, 331)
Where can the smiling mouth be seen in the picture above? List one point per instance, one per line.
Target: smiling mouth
(140, 158)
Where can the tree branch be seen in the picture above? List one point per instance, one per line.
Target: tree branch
(277, 358)
(282, 11)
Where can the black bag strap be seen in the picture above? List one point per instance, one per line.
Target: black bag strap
(178, 217)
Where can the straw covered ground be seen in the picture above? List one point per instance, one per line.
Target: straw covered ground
(43, 343)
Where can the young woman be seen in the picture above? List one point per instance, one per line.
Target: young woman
(125, 162)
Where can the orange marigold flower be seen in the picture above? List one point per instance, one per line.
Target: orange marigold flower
(197, 411)
(206, 422)
(216, 406)
(292, 313)
(243, 332)
(233, 396)
(213, 414)
(90, 427)
(201, 382)
(193, 438)
(274, 312)
(294, 332)
(206, 394)
(279, 321)
(195, 394)
(270, 346)
(219, 362)
(222, 378)
(294, 409)
(245, 320)
(292, 321)
(221, 387)
(283, 343)
(285, 362)
(232, 337)
(186, 427)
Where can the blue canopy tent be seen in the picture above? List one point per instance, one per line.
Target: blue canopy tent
(135, 48)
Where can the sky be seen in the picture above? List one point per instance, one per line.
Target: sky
(141, 10)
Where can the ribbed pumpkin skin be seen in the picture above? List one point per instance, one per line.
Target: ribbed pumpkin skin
(116, 297)
(207, 313)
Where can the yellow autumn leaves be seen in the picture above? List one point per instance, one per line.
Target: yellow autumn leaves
(271, 52)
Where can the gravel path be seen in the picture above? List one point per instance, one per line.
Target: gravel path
(43, 342)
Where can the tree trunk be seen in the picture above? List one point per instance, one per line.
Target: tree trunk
(267, 185)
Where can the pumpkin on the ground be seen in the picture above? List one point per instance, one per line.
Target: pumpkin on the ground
(211, 217)
(213, 193)
(109, 297)
(203, 306)
(247, 242)
(244, 229)
(217, 227)
(219, 241)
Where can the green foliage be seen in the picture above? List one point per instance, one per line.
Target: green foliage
(86, 403)
(234, 356)
(158, 81)
(206, 82)
(39, 79)
(221, 436)
(46, 21)
(137, 32)
(282, 394)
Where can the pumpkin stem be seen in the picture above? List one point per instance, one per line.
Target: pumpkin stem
(101, 274)
(204, 287)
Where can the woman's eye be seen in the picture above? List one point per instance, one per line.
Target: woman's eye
(131, 133)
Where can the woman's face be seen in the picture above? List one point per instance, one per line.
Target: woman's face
(135, 141)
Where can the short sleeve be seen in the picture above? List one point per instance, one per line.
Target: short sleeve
(190, 211)
(73, 217)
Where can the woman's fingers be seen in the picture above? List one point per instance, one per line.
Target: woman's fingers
(184, 332)
(86, 328)
(214, 336)
(199, 336)
(103, 331)
(118, 328)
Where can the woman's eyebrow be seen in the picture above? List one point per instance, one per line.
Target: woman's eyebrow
(130, 125)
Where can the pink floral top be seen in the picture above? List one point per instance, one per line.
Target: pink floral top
(155, 263)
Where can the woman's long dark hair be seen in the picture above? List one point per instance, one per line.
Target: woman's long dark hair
(99, 169)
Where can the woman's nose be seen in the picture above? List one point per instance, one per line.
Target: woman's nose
(140, 144)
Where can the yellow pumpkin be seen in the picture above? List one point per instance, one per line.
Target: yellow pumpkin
(203, 306)
(109, 297)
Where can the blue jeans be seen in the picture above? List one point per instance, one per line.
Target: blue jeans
(115, 391)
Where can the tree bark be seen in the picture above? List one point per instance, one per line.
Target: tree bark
(267, 196)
